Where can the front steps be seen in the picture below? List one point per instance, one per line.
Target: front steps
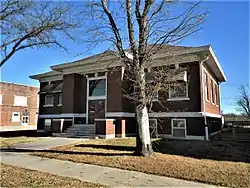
(79, 130)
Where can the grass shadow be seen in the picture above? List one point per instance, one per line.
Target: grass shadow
(214, 150)
(62, 152)
(107, 147)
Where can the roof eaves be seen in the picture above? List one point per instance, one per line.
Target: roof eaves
(217, 63)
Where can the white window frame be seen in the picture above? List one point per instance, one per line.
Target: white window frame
(27, 122)
(172, 126)
(97, 97)
(47, 127)
(45, 101)
(1, 99)
(215, 94)
(18, 98)
(14, 118)
(206, 86)
(178, 98)
(60, 97)
(212, 90)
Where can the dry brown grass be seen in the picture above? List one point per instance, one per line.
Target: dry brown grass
(11, 141)
(19, 177)
(105, 153)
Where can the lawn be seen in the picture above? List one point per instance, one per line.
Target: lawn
(19, 177)
(11, 141)
(118, 153)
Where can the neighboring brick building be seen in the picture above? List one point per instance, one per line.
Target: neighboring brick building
(18, 104)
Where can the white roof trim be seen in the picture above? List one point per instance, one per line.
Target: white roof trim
(217, 63)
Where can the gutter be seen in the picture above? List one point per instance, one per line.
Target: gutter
(203, 98)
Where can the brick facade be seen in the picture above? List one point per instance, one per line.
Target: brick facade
(8, 92)
(212, 102)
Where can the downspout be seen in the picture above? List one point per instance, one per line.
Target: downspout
(203, 98)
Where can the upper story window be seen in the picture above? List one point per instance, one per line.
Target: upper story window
(20, 100)
(97, 87)
(215, 94)
(60, 99)
(1, 99)
(49, 100)
(178, 91)
(212, 90)
(206, 86)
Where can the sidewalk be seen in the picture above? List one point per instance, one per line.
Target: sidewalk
(47, 142)
(91, 173)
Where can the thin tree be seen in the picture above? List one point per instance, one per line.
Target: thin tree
(243, 102)
(34, 24)
(141, 28)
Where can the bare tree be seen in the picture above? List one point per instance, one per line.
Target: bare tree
(29, 24)
(141, 27)
(243, 102)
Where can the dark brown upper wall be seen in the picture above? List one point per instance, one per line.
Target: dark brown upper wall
(80, 92)
(192, 105)
(74, 93)
(114, 91)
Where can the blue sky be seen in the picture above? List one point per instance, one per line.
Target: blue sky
(226, 29)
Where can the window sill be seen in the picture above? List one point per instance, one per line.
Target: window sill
(179, 99)
(48, 105)
(21, 105)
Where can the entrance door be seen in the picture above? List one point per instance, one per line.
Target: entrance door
(25, 120)
(96, 109)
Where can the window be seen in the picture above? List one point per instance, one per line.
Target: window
(178, 90)
(155, 96)
(25, 120)
(49, 100)
(212, 91)
(206, 86)
(15, 117)
(97, 87)
(153, 128)
(172, 66)
(60, 100)
(215, 94)
(1, 99)
(218, 95)
(47, 124)
(20, 100)
(178, 127)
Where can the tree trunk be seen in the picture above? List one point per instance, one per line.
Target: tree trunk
(143, 141)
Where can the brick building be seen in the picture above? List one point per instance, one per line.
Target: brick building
(85, 97)
(18, 105)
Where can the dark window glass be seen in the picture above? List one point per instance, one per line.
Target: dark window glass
(97, 87)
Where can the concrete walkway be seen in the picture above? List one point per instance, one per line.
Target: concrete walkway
(46, 143)
(91, 173)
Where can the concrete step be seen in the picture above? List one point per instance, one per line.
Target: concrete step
(83, 128)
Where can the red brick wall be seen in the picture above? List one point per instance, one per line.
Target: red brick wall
(211, 107)
(8, 90)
